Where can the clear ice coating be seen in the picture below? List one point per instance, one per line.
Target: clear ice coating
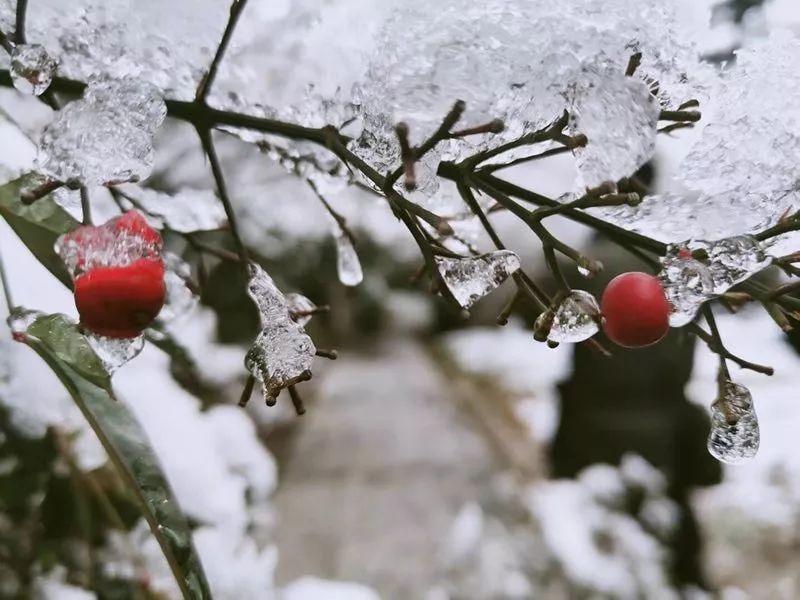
(688, 282)
(758, 179)
(117, 243)
(179, 299)
(282, 353)
(734, 436)
(115, 352)
(348, 265)
(619, 116)
(301, 309)
(576, 318)
(410, 60)
(106, 136)
(32, 68)
(470, 279)
(185, 211)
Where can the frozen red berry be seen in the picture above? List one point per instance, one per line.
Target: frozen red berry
(118, 273)
(635, 310)
(120, 302)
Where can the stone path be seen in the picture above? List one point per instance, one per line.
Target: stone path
(376, 472)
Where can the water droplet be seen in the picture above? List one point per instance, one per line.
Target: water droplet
(687, 284)
(300, 308)
(584, 272)
(32, 68)
(115, 352)
(470, 279)
(348, 264)
(576, 318)
(283, 353)
(734, 436)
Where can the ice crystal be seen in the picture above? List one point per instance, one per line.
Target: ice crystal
(301, 309)
(115, 352)
(106, 136)
(576, 318)
(687, 284)
(734, 436)
(32, 68)
(619, 116)
(470, 279)
(282, 353)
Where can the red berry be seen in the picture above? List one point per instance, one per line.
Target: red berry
(635, 310)
(120, 302)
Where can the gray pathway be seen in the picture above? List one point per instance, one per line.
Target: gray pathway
(376, 472)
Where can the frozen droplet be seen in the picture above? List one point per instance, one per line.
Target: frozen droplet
(576, 318)
(32, 68)
(106, 136)
(584, 272)
(687, 284)
(115, 352)
(348, 265)
(734, 436)
(179, 299)
(470, 279)
(117, 243)
(300, 308)
(283, 353)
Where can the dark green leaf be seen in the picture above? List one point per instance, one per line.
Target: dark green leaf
(64, 339)
(128, 446)
(38, 225)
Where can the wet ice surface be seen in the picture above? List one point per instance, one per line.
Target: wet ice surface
(576, 318)
(180, 298)
(282, 353)
(115, 352)
(300, 308)
(106, 136)
(32, 68)
(735, 435)
(619, 116)
(689, 282)
(470, 279)
(185, 211)
(411, 60)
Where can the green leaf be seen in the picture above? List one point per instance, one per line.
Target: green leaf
(38, 225)
(128, 447)
(65, 340)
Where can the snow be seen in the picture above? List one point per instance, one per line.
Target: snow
(313, 588)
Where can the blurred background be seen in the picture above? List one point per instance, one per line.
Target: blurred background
(438, 459)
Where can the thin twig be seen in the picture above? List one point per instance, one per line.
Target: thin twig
(19, 24)
(714, 343)
(207, 141)
(86, 206)
(237, 6)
